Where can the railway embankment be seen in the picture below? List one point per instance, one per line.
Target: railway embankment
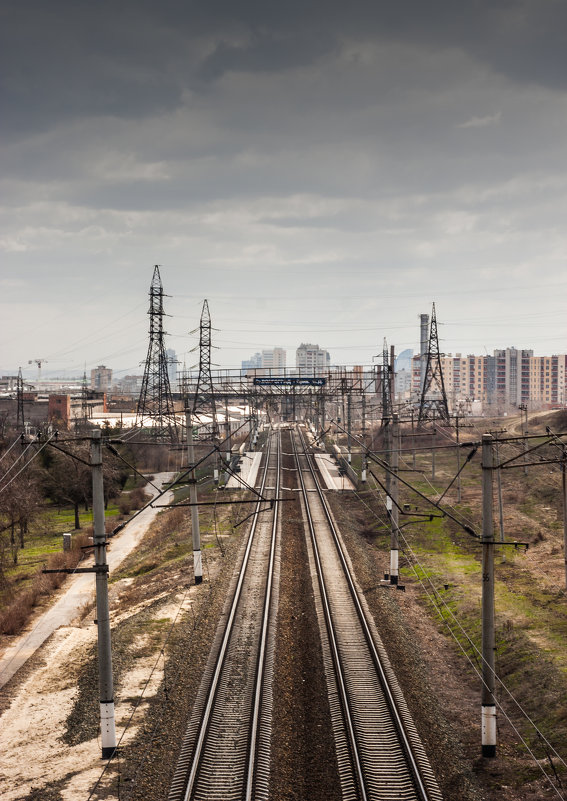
(163, 627)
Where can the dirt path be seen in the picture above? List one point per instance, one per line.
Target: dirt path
(77, 591)
(49, 728)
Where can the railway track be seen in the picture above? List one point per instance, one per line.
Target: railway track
(225, 753)
(226, 749)
(379, 752)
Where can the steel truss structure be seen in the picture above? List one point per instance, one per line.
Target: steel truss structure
(155, 404)
(292, 395)
(433, 402)
(204, 395)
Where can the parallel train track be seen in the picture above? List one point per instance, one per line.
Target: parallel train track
(225, 752)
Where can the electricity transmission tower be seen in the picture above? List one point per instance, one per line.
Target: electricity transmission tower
(433, 401)
(204, 399)
(155, 403)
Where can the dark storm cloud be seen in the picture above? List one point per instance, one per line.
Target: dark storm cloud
(408, 144)
(131, 59)
(266, 51)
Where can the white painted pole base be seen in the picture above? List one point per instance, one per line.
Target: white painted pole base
(198, 566)
(107, 729)
(394, 564)
(216, 476)
(363, 476)
(488, 726)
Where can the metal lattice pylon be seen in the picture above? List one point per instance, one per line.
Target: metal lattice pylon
(204, 399)
(433, 402)
(155, 404)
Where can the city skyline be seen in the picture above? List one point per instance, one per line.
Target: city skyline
(31, 373)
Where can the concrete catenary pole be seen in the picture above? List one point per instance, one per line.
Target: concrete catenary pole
(433, 448)
(227, 445)
(392, 375)
(197, 560)
(524, 426)
(413, 438)
(387, 429)
(500, 504)
(105, 684)
(394, 464)
(458, 458)
(349, 427)
(364, 468)
(488, 708)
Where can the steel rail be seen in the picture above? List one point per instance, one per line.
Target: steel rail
(341, 682)
(256, 710)
(397, 720)
(198, 750)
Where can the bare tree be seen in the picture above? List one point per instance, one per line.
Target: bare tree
(67, 477)
(68, 480)
(19, 500)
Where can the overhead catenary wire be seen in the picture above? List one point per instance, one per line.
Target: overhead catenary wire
(437, 597)
(14, 443)
(440, 601)
(18, 458)
(26, 465)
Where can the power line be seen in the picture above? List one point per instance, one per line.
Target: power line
(433, 600)
(436, 599)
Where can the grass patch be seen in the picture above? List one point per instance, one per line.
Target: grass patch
(531, 612)
(26, 596)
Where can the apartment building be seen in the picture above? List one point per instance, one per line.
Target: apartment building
(509, 384)
(274, 359)
(253, 363)
(501, 382)
(311, 359)
(547, 380)
(270, 359)
(464, 377)
(101, 378)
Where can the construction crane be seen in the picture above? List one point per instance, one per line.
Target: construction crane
(39, 362)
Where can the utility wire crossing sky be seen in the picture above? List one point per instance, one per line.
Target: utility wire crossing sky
(318, 171)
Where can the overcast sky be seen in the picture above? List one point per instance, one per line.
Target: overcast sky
(319, 171)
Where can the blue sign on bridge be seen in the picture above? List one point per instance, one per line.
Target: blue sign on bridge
(290, 381)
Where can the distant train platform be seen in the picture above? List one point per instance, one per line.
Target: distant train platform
(330, 473)
(249, 465)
